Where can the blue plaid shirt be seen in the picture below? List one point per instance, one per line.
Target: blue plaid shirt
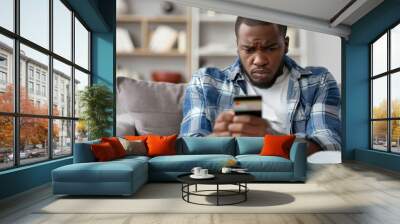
(313, 102)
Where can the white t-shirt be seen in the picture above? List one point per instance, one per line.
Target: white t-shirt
(274, 101)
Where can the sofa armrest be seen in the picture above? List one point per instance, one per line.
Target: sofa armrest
(298, 155)
(83, 152)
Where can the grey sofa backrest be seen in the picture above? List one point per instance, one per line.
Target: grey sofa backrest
(145, 107)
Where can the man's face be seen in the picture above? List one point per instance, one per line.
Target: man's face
(261, 49)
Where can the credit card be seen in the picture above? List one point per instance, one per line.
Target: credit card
(247, 105)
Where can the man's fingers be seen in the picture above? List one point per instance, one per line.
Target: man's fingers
(221, 126)
(226, 116)
(236, 127)
(244, 129)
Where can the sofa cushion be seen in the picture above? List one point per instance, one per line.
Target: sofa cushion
(249, 145)
(185, 163)
(206, 145)
(257, 163)
(132, 158)
(136, 147)
(112, 171)
(116, 145)
(161, 145)
(151, 107)
(277, 145)
(103, 152)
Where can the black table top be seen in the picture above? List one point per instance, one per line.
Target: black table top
(220, 178)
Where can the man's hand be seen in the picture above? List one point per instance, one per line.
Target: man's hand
(227, 124)
(247, 125)
(222, 122)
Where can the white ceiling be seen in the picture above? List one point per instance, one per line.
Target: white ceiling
(321, 9)
(313, 15)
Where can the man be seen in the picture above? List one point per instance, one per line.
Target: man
(305, 102)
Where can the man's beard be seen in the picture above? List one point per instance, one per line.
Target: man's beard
(264, 85)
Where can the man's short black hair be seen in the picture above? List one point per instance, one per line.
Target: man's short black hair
(254, 22)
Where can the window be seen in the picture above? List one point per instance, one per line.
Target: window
(34, 21)
(44, 91)
(385, 97)
(62, 30)
(3, 61)
(81, 81)
(43, 77)
(3, 71)
(7, 14)
(37, 74)
(62, 140)
(81, 45)
(6, 142)
(30, 88)
(38, 89)
(30, 72)
(41, 83)
(62, 74)
(3, 78)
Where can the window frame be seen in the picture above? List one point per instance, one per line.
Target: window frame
(16, 114)
(388, 74)
(3, 70)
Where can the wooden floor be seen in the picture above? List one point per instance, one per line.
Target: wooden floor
(378, 188)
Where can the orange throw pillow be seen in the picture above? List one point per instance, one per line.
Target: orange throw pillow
(277, 145)
(103, 152)
(116, 145)
(161, 145)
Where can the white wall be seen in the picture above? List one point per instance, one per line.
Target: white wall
(324, 50)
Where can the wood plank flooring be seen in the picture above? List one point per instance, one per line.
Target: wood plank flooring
(378, 188)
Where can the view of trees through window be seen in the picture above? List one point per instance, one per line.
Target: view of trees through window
(40, 83)
(385, 94)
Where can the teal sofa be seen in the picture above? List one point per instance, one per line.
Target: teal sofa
(125, 176)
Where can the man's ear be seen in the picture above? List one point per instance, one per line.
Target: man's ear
(286, 45)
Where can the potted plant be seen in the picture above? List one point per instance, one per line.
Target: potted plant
(96, 102)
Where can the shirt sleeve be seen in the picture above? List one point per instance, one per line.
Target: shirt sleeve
(195, 121)
(324, 125)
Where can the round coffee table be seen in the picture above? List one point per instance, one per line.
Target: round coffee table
(238, 179)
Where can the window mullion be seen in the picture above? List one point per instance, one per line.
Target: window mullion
(73, 82)
(16, 84)
(389, 106)
(371, 99)
(50, 81)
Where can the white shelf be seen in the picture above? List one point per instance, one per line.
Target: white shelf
(141, 19)
(218, 54)
(148, 53)
(217, 19)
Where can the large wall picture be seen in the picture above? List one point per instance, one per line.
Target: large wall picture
(171, 63)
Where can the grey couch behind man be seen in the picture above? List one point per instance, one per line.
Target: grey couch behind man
(145, 107)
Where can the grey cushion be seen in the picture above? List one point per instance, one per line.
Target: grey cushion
(135, 147)
(150, 107)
